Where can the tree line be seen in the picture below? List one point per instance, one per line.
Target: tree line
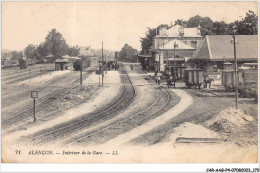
(128, 54)
(54, 45)
(245, 26)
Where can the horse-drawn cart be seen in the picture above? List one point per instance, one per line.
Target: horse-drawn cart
(193, 77)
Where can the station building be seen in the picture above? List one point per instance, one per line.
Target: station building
(174, 41)
(216, 50)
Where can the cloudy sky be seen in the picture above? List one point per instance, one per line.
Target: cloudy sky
(115, 23)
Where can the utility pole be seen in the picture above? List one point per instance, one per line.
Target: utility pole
(81, 73)
(174, 78)
(102, 65)
(99, 70)
(236, 76)
(30, 75)
(40, 71)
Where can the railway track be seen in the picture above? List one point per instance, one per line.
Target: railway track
(27, 111)
(28, 76)
(108, 111)
(159, 106)
(17, 74)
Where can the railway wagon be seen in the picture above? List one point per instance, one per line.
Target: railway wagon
(23, 64)
(81, 64)
(247, 81)
(193, 77)
(30, 62)
(179, 71)
(9, 63)
(228, 79)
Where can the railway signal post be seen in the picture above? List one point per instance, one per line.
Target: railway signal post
(34, 94)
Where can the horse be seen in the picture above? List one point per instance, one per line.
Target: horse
(208, 81)
(169, 83)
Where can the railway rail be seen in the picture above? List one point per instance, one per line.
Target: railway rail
(108, 111)
(16, 72)
(27, 76)
(27, 112)
(159, 106)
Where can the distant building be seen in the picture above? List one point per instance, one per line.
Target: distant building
(175, 40)
(61, 64)
(218, 49)
(85, 52)
(70, 58)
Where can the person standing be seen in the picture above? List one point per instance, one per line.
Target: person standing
(159, 80)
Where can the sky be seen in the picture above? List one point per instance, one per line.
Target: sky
(114, 23)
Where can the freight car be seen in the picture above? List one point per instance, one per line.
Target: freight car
(9, 63)
(193, 77)
(247, 81)
(81, 64)
(23, 64)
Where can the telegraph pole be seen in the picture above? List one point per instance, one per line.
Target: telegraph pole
(236, 76)
(102, 65)
(99, 72)
(30, 75)
(81, 73)
(174, 76)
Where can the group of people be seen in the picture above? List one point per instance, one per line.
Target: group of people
(169, 80)
(115, 67)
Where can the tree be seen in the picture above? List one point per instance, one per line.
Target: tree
(42, 49)
(147, 41)
(220, 28)
(4, 55)
(127, 54)
(55, 44)
(73, 51)
(30, 51)
(180, 22)
(205, 22)
(16, 55)
(248, 25)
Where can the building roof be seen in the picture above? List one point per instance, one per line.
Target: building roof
(70, 57)
(178, 31)
(145, 56)
(219, 47)
(62, 60)
(85, 51)
(180, 45)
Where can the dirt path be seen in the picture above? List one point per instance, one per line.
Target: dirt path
(185, 102)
